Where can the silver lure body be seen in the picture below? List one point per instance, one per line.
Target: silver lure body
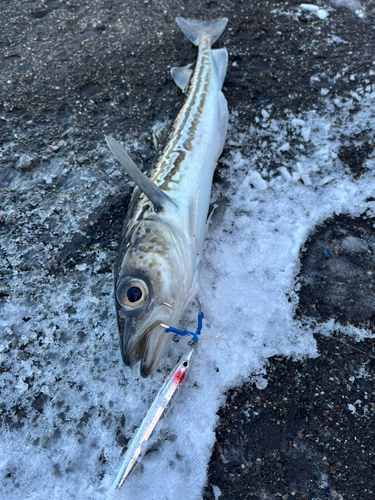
(157, 410)
(157, 265)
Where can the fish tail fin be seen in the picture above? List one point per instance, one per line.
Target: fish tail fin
(194, 30)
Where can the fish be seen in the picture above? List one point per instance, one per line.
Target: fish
(156, 269)
(158, 410)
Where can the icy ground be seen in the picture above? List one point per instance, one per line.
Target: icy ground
(69, 404)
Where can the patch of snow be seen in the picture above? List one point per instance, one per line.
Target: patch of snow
(305, 132)
(297, 122)
(217, 491)
(350, 4)
(313, 79)
(352, 408)
(261, 383)
(322, 14)
(309, 6)
(254, 178)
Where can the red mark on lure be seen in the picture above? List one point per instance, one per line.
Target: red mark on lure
(179, 376)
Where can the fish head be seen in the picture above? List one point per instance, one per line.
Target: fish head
(151, 292)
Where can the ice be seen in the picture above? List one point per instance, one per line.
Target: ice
(314, 79)
(309, 6)
(353, 5)
(355, 95)
(360, 13)
(322, 14)
(261, 382)
(256, 180)
(352, 408)
(297, 122)
(74, 403)
(284, 172)
(305, 132)
(217, 492)
(350, 4)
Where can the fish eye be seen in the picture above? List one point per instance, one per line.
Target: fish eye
(185, 364)
(132, 293)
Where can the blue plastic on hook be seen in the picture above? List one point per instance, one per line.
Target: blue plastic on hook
(182, 333)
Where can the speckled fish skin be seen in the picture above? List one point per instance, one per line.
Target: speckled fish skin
(157, 411)
(160, 249)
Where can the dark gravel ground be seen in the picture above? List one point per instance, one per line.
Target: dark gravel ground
(72, 72)
(297, 438)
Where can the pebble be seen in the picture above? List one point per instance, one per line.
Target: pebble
(24, 161)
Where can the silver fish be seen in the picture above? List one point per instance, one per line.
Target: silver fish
(157, 410)
(156, 272)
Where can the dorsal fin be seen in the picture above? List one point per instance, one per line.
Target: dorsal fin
(181, 76)
(156, 195)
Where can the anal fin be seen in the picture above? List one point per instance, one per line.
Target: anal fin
(222, 122)
(220, 61)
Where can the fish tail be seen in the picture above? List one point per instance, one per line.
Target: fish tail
(196, 30)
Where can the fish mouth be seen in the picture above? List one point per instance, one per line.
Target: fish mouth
(147, 344)
(156, 346)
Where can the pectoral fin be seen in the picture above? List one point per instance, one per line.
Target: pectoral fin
(157, 196)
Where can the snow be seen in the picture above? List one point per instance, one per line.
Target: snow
(261, 382)
(68, 348)
(352, 408)
(309, 6)
(297, 122)
(322, 14)
(217, 492)
(254, 178)
(353, 5)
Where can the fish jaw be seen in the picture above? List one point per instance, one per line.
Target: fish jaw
(146, 340)
(158, 339)
(156, 346)
(144, 334)
(131, 344)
